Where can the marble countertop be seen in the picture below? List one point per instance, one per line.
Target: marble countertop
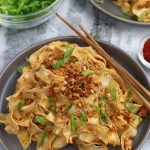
(123, 35)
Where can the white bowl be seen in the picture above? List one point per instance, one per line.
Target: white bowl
(140, 53)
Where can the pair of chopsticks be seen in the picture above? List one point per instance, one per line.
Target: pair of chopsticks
(142, 92)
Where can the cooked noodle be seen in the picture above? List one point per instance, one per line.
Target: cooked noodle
(138, 8)
(69, 95)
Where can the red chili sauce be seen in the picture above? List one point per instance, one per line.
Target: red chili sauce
(146, 50)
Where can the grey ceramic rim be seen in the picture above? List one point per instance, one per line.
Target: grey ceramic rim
(99, 7)
(74, 38)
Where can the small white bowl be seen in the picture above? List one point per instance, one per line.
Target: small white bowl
(140, 53)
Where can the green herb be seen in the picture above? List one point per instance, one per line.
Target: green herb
(52, 105)
(41, 120)
(44, 135)
(87, 72)
(110, 104)
(67, 56)
(128, 105)
(21, 104)
(73, 123)
(102, 98)
(113, 91)
(103, 115)
(142, 16)
(67, 109)
(83, 116)
(21, 7)
(99, 1)
(20, 69)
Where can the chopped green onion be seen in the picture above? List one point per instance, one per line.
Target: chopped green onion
(20, 69)
(87, 72)
(21, 7)
(67, 109)
(128, 105)
(103, 115)
(83, 116)
(102, 98)
(73, 123)
(41, 120)
(44, 135)
(113, 91)
(143, 15)
(67, 56)
(21, 104)
(52, 105)
(110, 104)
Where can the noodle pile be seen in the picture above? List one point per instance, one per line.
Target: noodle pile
(138, 8)
(69, 95)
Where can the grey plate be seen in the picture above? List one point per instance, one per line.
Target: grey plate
(109, 8)
(9, 77)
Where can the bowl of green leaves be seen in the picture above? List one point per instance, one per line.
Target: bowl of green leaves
(22, 14)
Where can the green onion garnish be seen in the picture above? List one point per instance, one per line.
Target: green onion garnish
(67, 56)
(67, 109)
(83, 116)
(44, 135)
(103, 115)
(112, 91)
(102, 98)
(20, 69)
(128, 105)
(73, 123)
(21, 104)
(41, 120)
(142, 16)
(52, 105)
(87, 72)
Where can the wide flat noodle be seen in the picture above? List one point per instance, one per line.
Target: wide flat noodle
(138, 8)
(70, 95)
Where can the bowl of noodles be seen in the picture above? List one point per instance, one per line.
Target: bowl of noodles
(60, 94)
(130, 11)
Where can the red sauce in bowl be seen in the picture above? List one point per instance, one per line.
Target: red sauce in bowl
(146, 50)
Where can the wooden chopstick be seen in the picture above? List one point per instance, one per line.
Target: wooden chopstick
(140, 89)
(92, 39)
(88, 35)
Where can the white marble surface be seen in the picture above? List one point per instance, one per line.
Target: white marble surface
(123, 35)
